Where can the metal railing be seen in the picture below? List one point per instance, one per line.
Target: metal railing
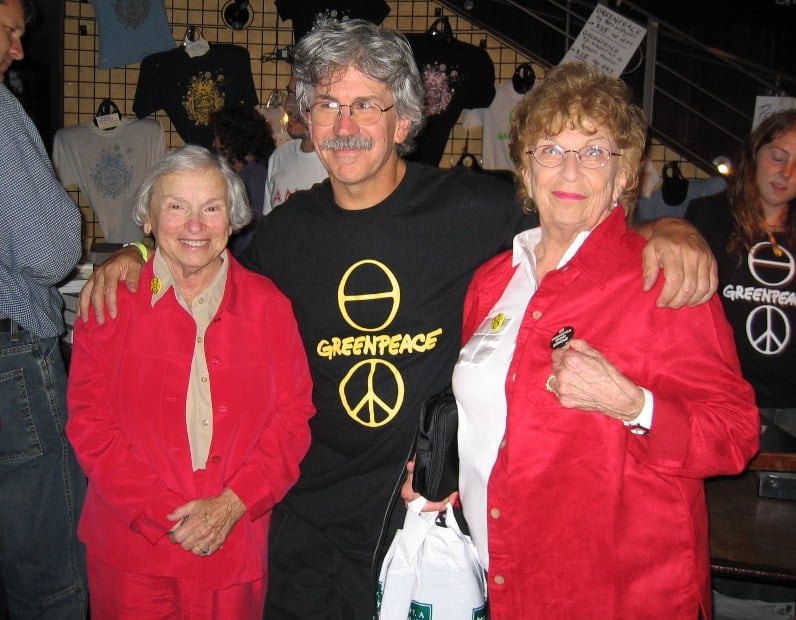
(699, 100)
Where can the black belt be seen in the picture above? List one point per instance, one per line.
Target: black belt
(5, 326)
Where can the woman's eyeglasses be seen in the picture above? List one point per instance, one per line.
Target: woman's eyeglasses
(552, 155)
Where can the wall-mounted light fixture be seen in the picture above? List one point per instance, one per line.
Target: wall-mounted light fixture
(723, 165)
(237, 14)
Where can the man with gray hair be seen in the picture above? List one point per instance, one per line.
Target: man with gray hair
(376, 261)
(379, 260)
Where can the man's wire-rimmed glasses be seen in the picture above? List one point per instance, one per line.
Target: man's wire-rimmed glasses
(552, 155)
(363, 113)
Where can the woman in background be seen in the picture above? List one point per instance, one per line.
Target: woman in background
(751, 229)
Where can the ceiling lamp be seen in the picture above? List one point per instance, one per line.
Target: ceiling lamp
(236, 14)
(723, 165)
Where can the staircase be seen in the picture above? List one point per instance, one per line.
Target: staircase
(699, 100)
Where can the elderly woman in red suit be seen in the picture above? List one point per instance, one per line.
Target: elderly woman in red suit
(589, 416)
(189, 413)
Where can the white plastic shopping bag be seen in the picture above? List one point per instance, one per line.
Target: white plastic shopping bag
(431, 571)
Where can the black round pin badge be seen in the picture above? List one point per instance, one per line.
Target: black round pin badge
(562, 337)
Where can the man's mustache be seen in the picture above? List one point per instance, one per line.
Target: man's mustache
(340, 143)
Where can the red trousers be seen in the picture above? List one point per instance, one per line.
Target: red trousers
(120, 595)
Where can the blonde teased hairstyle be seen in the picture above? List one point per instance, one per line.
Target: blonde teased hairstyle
(569, 96)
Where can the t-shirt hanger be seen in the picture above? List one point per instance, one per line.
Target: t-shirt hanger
(441, 29)
(194, 42)
(523, 78)
(108, 115)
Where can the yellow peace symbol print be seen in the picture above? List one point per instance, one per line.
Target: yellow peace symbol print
(359, 397)
(391, 292)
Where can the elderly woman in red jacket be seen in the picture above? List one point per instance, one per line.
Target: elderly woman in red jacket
(589, 416)
(189, 413)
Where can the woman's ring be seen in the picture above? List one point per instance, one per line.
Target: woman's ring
(205, 551)
(547, 385)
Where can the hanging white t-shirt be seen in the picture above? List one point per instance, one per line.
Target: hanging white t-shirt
(496, 121)
(291, 169)
(108, 166)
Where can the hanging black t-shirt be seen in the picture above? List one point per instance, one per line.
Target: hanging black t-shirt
(456, 75)
(306, 13)
(378, 295)
(190, 89)
(759, 299)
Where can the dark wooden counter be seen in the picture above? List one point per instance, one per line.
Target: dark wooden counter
(751, 538)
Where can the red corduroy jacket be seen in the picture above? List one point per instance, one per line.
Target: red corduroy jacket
(128, 381)
(585, 519)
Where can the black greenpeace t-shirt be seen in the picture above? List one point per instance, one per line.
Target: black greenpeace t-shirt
(759, 299)
(378, 296)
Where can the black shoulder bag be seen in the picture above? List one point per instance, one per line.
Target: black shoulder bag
(436, 472)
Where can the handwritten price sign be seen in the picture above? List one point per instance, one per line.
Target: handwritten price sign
(608, 40)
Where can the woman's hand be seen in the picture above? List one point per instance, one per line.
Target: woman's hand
(583, 379)
(408, 493)
(204, 524)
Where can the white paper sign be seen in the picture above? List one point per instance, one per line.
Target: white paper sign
(608, 40)
(766, 106)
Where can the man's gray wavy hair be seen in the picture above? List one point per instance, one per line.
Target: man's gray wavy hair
(382, 55)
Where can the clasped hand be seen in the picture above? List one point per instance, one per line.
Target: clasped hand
(583, 379)
(204, 524)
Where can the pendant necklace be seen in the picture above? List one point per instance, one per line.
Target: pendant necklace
(774, 247)
(770, 229)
